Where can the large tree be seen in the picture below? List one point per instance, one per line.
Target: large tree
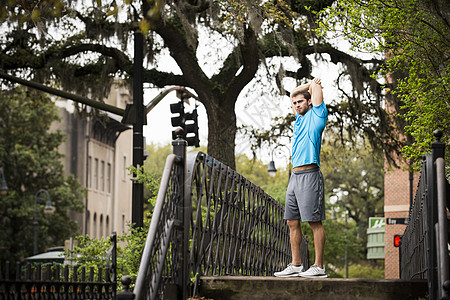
(82, 46)
(31, 161)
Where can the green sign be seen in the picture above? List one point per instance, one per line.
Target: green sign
(377, 222)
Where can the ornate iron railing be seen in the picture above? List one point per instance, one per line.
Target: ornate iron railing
(209, 220)
(56, 281)
(424, 244)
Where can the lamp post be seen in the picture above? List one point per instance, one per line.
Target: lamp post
(3, 186)
(272, 169)
(49, 209)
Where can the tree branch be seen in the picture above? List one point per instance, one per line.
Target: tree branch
(250, 63)
(175, 40)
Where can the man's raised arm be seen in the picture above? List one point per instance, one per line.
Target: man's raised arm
(315, 89)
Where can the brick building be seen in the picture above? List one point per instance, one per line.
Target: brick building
(397, 193)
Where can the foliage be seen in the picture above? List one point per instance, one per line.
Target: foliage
(156, 159)
(151, 186)
(222, 48)
(31, 161)
(415, 37)
(365, 270)
(91, 252)
(354, 182)
(255, 171)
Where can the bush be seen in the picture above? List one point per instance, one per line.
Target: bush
(365, 270)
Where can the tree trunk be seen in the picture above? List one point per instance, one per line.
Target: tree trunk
(222, 133)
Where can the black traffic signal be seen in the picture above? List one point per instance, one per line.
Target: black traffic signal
(397, 240)
(191, 128)
(178, 109)
(187, 121)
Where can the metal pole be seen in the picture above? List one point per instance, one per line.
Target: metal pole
(137, 211)
(431, 220)
(179, 149)
(442, 228)
(35, 220)
(411, 188)
(346, 247)
(63, 94)
(438, 149)
(35, 224)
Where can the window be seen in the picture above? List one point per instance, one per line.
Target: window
(100, 229)
(123, 224)
(96, 174)
(124, 174)
(107, 226)
(89, 170)
(88, 222)
(102, 176)
(108, 178)
(94, 226)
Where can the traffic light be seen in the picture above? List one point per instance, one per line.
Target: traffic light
(191, 128)
(397, 240)
(187, 121)
(177, 108)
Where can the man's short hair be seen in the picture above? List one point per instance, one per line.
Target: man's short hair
(300, 90)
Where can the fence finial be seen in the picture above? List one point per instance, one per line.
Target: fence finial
(125, 294)
(437, 147)
(179, 132)
(438, 134)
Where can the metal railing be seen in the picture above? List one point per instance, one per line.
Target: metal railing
(424, 244)
(209, 221)
(57, 281)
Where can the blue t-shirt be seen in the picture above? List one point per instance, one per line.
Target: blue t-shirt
(307, 138)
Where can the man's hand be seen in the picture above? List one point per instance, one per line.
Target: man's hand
(315, 89)
(314, 82)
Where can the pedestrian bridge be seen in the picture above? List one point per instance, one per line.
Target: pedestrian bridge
(215, 234)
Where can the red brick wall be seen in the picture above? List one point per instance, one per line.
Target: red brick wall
(396, 205)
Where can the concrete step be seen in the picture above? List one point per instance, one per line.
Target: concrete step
(255, 288)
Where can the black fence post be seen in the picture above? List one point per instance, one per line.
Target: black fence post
(442, 282)
(431, 221)
(179, 149)
(125, 294)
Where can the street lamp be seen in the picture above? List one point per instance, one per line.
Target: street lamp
(3, 186)
(272, 170)
(49, 209)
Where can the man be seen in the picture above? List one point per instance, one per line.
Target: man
(305, 193)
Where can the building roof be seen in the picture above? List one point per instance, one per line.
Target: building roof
(47, 257)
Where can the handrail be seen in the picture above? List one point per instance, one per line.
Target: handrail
(442, 229)
(144, 268)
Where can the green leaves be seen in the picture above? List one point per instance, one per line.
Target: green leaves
(31, 161)
(415, 37)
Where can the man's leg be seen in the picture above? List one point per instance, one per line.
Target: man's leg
(319, 242)
(295, 236)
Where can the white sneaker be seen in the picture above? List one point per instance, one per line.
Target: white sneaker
(314, 272)
(290, 271)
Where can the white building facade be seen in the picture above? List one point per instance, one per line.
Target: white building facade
(98, 153)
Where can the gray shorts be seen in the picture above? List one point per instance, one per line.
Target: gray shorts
(305, 196)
